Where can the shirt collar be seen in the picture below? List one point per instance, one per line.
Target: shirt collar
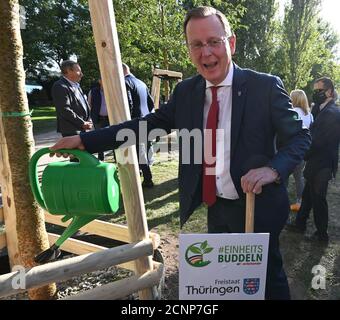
(227, 82)
(75, 84)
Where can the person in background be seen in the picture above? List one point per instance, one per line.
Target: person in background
(99, 116)
(250, 109)
(300, 104)
(321, 161)
(73, 113)
(140, 105)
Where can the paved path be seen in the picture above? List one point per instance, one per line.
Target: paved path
(43, 140)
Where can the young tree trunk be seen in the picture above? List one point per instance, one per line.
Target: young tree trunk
(18, 144)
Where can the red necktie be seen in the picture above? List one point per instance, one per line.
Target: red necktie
(209, 161)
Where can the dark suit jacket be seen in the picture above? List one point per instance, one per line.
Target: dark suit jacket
(96, 101)
(71, 114)
(324, 150)
(138, 95)
(261, 109)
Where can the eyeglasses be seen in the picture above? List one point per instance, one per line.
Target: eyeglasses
(211, 44)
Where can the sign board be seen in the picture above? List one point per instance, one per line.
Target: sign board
(223, 266)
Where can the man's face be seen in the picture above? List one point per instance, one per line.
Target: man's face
(320, 86)
(74, 74)
(212, 62)
(321, 94)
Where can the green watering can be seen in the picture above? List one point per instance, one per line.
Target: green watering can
(80, 191)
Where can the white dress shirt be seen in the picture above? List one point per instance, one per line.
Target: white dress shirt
(224, 185)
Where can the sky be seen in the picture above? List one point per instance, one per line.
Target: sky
(330, 12)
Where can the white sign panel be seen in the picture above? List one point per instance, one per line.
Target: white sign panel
(223, 266)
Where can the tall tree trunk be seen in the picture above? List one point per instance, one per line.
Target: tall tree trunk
(165, 55)
(19, 143)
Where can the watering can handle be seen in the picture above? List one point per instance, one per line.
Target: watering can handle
(84, 157)
(250, 206)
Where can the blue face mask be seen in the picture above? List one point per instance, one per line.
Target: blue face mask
(319, 96)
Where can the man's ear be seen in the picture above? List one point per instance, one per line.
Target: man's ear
(232, 44)
(329, 93)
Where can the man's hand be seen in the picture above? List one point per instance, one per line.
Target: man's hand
(72, 142)
(87, 125)
(256, 178)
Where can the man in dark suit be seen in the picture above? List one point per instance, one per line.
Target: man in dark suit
(252, 110)
(140, 105)
(73, 114)
(321, 160)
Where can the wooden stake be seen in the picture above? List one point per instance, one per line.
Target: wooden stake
(8, 209)
(250, 207)
(110, 64)
(156, 82)
(155, 90)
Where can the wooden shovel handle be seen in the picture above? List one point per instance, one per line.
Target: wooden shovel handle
(250, 206)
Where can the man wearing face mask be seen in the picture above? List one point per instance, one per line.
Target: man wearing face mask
(322, 160)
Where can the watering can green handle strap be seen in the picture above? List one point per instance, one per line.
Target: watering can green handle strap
(85, 159)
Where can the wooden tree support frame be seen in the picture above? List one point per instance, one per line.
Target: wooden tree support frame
(1, 215)
(140, 248)
(157, 76)
(95, 227)
(107, 230)
(65, 269)
(3, 242)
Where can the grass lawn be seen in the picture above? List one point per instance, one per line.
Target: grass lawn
(161, 202)
(44, 119)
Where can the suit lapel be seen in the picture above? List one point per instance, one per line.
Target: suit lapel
(85, 100)
(197, 105)
(238, 104)
(197, 97)
(72, 89)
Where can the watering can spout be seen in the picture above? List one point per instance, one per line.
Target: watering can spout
(53, 253)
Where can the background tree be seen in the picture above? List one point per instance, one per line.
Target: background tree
(255, 43)
(298, 49)
(300, 43)
(18, 144)
(328, 64)
(55, 31)
(150, 34)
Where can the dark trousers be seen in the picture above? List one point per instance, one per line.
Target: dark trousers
(314, 197)
(228, 216)
(146, 171)
(103, 121)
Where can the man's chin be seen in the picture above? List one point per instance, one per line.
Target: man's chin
(212, 76)
(214, 80)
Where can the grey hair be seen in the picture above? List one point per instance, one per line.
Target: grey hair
(203, 12)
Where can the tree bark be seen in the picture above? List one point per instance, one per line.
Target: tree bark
(18, 143)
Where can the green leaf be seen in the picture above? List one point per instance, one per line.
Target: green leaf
(195, 250)
(204, 245)
(208, 250)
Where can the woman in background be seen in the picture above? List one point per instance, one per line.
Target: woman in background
(300, 104)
